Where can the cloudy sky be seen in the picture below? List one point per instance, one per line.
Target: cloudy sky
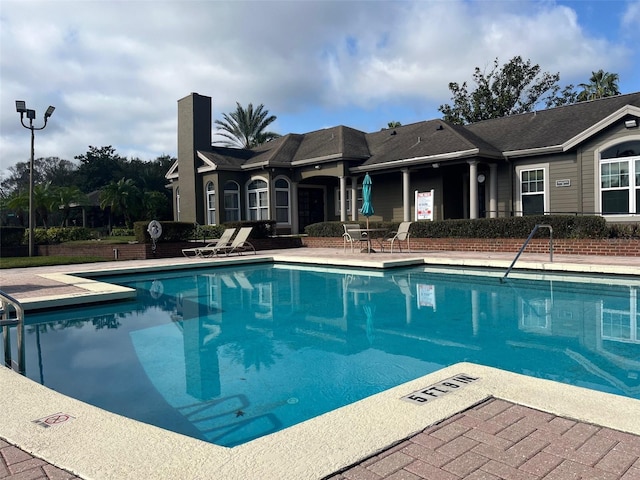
(114, 70)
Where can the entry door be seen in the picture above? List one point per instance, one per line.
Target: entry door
(310, 206)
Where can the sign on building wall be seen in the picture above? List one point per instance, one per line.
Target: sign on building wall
(424, 205)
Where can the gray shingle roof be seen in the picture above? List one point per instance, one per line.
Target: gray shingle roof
(548, 127)
(277, 152)
(341, 141)
(424, 139)
(427, 140)
(225, 157)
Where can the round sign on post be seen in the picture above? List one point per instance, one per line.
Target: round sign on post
(155, 230)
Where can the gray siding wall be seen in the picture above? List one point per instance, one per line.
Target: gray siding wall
(580, 167)
(587, 152)
(563, 199)
(561, 166)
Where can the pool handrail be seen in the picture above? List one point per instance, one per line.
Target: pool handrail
(524, 245)
(7, 302)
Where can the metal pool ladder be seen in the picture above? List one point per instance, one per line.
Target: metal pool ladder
(524, 245)
(9, 305)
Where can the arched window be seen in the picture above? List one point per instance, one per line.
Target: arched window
(231, 201)
(211, 203)
(282, 201)
(620, 179)
(258, 200)
(178, 204)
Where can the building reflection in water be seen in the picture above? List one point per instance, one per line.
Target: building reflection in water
(246, 339)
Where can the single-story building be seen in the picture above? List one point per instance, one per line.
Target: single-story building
(577, 159)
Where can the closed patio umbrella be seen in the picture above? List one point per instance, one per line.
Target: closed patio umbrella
(367, 206)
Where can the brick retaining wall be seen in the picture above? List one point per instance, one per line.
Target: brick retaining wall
(615, 246)
(141, 251)
(612, 246)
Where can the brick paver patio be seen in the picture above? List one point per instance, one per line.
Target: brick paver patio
(16, 464)
(500, 440)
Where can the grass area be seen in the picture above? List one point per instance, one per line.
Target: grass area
(21, 262)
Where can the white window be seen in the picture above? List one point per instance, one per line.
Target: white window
(621, 319)
(620, 186)
(349, 202)
(619, 179)
(211, 204)
(258, 200)
(282, 201)
(535, 315)
(231, 201)
(532, 191)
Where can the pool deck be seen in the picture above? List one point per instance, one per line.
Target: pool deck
(499, 426)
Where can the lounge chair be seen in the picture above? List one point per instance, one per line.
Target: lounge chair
(239, 244)
(224, 240)
(353, 234)
(401, 235)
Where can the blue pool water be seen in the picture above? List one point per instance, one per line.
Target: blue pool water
(227, 355)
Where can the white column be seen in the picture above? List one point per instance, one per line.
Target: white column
(354, 199)
(475, 312)
(473, 189)
(493, 190)
(343, 199)
(406, 195)
(293, 205)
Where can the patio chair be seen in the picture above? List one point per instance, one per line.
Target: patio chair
(224, 240)
(401, 235)
(239, 244)
(353, 234)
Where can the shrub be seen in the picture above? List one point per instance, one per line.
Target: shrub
(564, 226)
(122, 232)
(335, 229)
(208, 231)
(171, 231)
(324, 229)
(54, 235)
(261, 228)
(11, 236)
(624, 230)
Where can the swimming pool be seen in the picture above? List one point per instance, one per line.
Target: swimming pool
(230, 354)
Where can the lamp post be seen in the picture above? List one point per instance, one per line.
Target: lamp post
(21, 108)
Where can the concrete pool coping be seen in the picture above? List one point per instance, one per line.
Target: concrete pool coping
(99, 445)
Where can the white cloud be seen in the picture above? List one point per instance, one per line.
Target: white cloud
(631, 17)
(115, 70)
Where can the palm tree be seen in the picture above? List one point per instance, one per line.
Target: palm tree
(156, 204)
(394, 124)
(121, 197)
(18, 202)
(69, 197)
(245, 128)
(601, 84)
(44, 202)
